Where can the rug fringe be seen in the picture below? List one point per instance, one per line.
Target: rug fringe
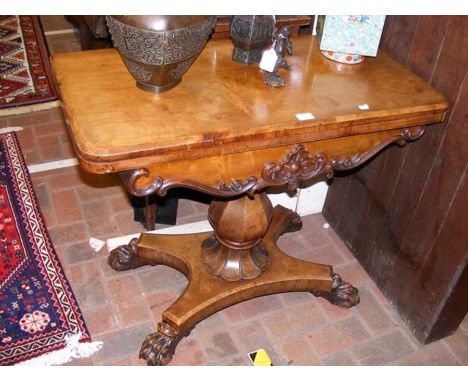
(72, 350)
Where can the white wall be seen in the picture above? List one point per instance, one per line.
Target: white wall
(307, 201)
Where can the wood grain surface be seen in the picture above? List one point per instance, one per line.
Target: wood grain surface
(224, 107)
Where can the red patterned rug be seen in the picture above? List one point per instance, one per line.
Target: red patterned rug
(38, 312)
(25, 75)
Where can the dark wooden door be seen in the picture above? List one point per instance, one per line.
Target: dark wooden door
(404, 215)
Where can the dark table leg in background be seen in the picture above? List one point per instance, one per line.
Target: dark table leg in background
(153, 209)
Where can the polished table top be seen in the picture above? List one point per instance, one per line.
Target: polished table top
(222, 106)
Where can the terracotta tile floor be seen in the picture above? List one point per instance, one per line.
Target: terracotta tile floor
(122, 308)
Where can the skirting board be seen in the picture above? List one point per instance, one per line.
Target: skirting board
(307, 201)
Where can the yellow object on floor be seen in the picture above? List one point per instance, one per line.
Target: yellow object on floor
(260, 358)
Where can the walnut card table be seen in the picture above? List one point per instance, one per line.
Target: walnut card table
(222, 131)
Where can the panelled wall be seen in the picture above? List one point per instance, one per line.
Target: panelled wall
(404, 214)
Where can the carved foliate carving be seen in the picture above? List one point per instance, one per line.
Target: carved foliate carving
(160, 47)
(297, 166)
(237, 186)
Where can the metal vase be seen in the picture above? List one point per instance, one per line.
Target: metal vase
(158, 50)
(251, 35)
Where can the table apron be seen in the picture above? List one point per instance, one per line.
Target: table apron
(249, 172)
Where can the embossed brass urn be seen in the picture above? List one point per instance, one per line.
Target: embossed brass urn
(158, 50)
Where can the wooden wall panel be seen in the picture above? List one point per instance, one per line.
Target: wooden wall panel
(398, 36)
(414, 172)
(403, 201)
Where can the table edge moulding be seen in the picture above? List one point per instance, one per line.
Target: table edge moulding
(234, 154)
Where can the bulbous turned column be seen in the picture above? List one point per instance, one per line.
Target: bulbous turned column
(235, 252)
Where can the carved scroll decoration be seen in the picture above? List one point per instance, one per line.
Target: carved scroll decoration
(346, 163)
(238, 187)
(159, 186)
(408, 136)
(131, 177)
(297, 166)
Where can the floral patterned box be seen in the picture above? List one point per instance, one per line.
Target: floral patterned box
(352, 34)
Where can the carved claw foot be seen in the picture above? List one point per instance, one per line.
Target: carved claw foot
(125, 257)
(342, 294)
(295, 224)
(158, 348)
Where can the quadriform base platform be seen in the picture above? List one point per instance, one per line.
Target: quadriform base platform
(207, 263)
(222, 131)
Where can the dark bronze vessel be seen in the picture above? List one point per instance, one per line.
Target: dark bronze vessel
(251, 35)
(158, 50)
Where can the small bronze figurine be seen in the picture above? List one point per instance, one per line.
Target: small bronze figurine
(281, 45)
